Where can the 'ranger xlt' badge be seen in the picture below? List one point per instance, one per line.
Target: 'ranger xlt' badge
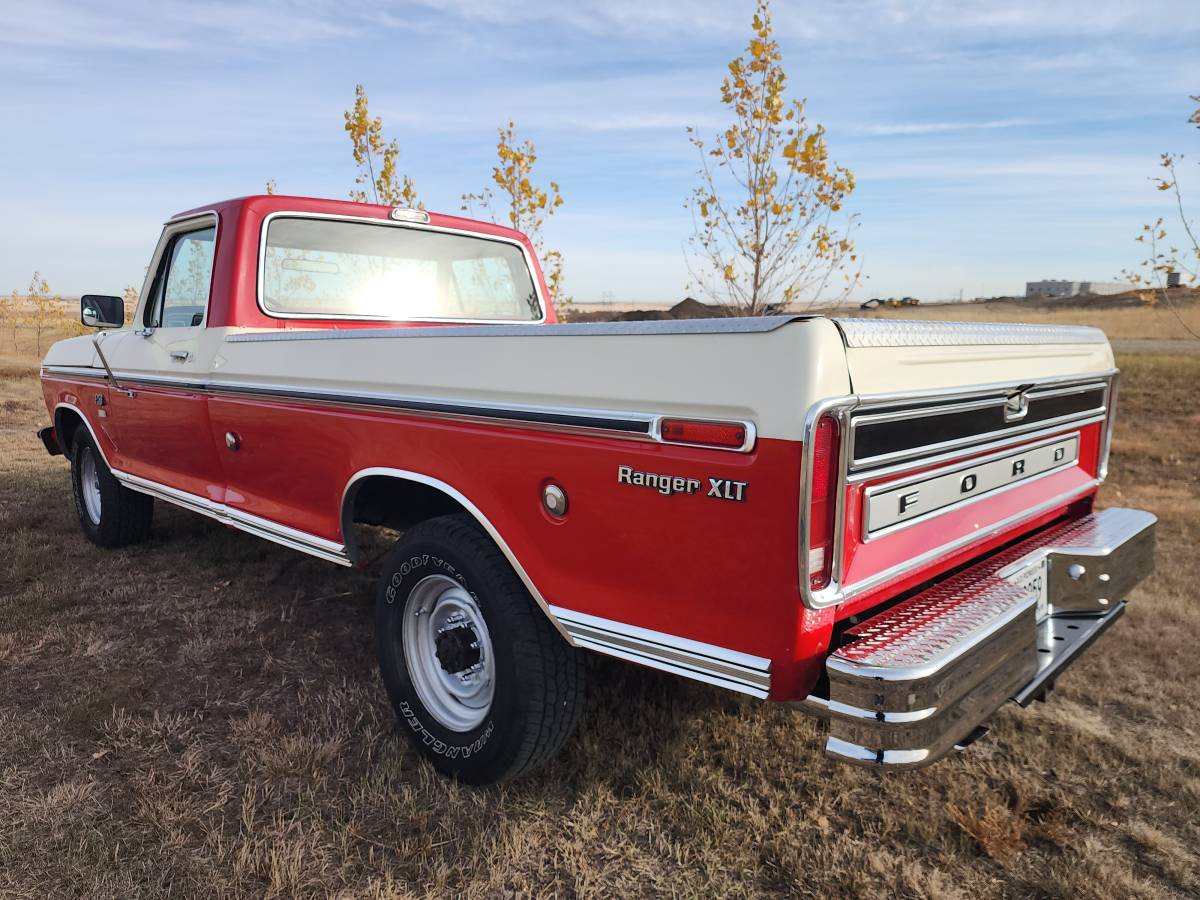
(667, 485)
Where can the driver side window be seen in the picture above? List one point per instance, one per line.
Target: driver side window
(179, 296)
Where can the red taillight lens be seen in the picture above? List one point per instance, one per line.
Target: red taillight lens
(708, 434)
(823, 504)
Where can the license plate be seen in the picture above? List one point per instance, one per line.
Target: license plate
(1034, 580)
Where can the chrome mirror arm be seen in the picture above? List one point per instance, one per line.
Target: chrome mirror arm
(104, 362)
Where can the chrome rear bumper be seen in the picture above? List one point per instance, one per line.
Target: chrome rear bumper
(919, 678)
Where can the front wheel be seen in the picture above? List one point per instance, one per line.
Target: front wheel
(110, 514)
(481, 681)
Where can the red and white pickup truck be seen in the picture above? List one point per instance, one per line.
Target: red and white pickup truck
(888, 524)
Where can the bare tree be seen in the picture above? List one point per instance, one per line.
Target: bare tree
(1164, 258)
(768, 213)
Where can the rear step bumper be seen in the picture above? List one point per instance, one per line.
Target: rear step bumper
(922, 676)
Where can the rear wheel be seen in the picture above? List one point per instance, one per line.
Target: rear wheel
(110, 514)
(483, 684)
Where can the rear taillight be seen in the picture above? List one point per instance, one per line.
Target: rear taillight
(826, 438)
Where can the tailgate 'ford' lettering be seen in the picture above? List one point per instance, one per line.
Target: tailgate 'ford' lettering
(900, 502)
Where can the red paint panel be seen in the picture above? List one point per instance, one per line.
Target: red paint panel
(164, 435)
(862, 559)
(708, 569)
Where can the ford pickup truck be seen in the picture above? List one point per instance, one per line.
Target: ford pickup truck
(888, 524)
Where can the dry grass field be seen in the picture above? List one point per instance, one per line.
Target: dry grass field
(201, 716)
(1160, 321)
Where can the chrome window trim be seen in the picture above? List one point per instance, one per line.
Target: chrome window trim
(260, 276)
(172, 227)
(921, 477)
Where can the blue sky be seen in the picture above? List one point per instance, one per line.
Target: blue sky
(993, 142)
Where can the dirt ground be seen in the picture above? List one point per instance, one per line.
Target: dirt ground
(201, 716)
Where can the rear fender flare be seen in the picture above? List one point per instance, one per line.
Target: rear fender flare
(348, 497)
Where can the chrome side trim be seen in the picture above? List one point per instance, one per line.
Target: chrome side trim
(862, 332)
(454, 493)
(331, 551)
(389, 223)
(605, 423)
(263, 528)
(709, 663)
(74, 372)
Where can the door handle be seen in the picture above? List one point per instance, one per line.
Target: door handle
(180, 355)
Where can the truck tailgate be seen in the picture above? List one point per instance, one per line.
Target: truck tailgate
(883, 353)
(958, 438)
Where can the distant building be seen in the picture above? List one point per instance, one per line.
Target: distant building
(1056, 287)
(1174, 279)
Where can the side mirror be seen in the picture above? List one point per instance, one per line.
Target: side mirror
(99, 311)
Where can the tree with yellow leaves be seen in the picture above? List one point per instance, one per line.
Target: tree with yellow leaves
(10, 315)
(44, 312)
(1165, 259)
(527, 203)
(129, 302)
(372, 153)
(768, 214)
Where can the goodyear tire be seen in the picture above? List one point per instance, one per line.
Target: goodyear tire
(110, 514)
(481, 681)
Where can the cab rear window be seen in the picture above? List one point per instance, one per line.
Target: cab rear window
(317, 268)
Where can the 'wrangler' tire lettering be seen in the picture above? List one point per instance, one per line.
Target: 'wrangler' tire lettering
(537, 678)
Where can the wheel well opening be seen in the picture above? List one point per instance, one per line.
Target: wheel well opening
(388, 501)
(66, 422)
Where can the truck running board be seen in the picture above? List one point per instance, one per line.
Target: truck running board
(916, 680)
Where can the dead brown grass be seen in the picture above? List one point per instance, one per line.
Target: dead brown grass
(195, 717)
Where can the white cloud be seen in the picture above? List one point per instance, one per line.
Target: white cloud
(900, 128)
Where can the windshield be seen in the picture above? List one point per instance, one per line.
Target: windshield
(331, 267)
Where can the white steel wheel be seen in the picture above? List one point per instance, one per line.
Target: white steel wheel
(448, 653)
(89, 485)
